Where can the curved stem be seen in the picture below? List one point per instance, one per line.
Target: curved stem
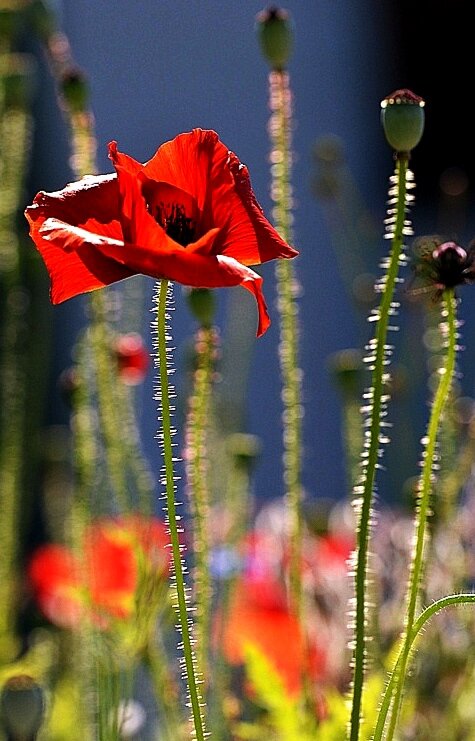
(365, 490)
(425, 490)
(169, 480)
(440, 604)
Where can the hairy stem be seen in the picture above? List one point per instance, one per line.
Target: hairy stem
(426, 481)
(280, 134)
(429, 612)
(378, 397)
(197, 466)
(182, 596)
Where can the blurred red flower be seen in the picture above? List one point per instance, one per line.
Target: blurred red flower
(104, 582)
(189, 215)
(132, 358)
(258, 615)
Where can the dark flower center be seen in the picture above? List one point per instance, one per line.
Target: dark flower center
(173, 219)
(175, 210)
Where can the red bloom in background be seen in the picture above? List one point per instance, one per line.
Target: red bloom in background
(132, 358)
(104, 582)
(189, 215)
(258, 615)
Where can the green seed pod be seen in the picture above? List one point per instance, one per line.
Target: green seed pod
(22, 707)
(75, 90)
(275, 33)
(202, 305)
(402, 116)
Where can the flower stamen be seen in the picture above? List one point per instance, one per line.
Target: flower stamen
(173, 219)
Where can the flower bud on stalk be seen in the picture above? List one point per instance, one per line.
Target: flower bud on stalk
(275, 34)
(402, 116)
(202, 304)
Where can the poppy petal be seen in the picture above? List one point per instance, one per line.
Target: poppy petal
(251, 238)
(93, 197)
(185, 162)
(184, 265)
(73, 264)
(200, 164)
(137, 224)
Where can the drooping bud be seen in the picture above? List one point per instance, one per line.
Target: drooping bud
(22, 707)
(402, 116)
(202, 305)
(75, 90)
(275, 33)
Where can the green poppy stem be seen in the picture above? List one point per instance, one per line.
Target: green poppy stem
(197, 466)
(280, 134)
(378, 395)
(182, 596)
(449, 329)
(441, 604)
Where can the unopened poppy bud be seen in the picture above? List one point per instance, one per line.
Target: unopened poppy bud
(402, 116)
(202, 305)
(347, 368)
(244, 448)
(274, 30)
(22, 707)
(75, 90)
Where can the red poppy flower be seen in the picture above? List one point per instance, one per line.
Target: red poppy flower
(258, 615)
(132, 358)
(54, 575)
(189, 215)
(103, 583)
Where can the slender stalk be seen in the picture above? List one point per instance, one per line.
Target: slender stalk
(109, 411)
(15, 129)
(429, 612)
(164, 688)
(378, 397)
(182, 593)
(197, 467)
(425, 489)
(287, 288)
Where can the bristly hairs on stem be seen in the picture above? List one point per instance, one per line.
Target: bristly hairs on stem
(448, 327)
(429, 612)
(198, 482)
(276, 38)
(162, 300)
(402, 118)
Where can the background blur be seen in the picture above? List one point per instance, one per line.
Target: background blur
(159, 68)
